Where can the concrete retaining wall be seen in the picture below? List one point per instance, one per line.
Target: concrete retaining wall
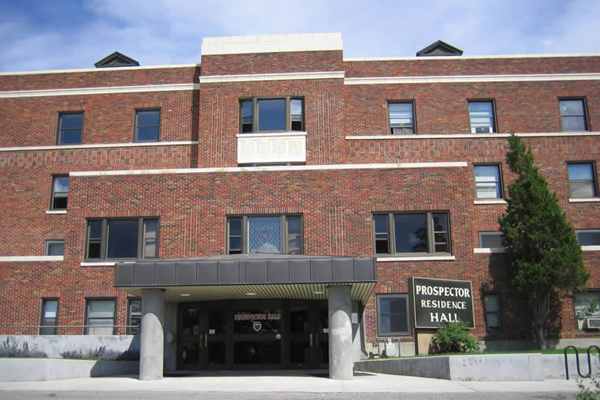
(44, 369)
(493, 367)
(54, 345)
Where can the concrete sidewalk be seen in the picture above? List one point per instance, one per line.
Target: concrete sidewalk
(291, 381)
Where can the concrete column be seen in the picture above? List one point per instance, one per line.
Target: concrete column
(341, 360)
(151, 334)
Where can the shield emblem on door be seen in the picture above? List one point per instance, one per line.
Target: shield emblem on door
(257, 325)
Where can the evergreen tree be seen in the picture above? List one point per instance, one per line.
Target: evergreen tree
(544, 257)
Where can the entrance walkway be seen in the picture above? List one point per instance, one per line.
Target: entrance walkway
(285, 381)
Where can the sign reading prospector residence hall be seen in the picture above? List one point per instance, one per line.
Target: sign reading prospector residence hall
(440, 301)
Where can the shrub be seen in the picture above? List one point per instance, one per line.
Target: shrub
(12, 349)
(101, 353)
(454, 338)
(589, 392)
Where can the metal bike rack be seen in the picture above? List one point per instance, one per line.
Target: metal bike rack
(589, 359)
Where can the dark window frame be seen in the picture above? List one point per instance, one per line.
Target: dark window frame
(48, 243)
(500, 182)
(381, 332)
(46, 328)
(104, 237)
(494, 125)
(480, 235)
(136, 125)
(284, 229)
(391, 234)
(87, 326)
(498, 313)
(585, 116)
(591, 230)
(60, 129)
(254, 124)
(594, 180)
(413, 117)
(59, 195)
(132, 328)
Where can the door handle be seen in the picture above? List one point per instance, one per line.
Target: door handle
(205, 340)
(311, 340)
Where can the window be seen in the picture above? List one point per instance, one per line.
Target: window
(122, 238)
(60, 192)
(491, 240)
(55, 247)
(582, 180)
(401, 118)
(392, 315)
(487, 182)
(408, 233)
(147, 125)
(481, 114)
(281, 234)
(100, 317)
(70, 126)
(587, 305)
(588, 237)
(134, 316)
(49, 317)
(272, 115)
(491, 304)
(573, 115)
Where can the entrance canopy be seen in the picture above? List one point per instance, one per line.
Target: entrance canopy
(249, 276)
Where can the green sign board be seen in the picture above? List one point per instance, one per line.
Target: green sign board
(439, 301)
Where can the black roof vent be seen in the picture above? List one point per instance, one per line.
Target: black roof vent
(116, 59)
(439, 48)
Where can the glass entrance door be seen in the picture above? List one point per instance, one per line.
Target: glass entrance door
(203, 338)
(257, 337)
(308, 336)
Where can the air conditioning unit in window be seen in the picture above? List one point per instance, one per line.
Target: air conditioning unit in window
(592, 323)
(483, 129)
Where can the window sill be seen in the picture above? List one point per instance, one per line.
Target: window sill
(56, 212)
(97, 264)
(421, 258)
(30, 258)
(489, 250)
(489, 201)
(585, 200)
(590, 248)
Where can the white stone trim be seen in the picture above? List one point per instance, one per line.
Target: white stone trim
(393, 80)
(585, 200)
(469, 136)
(56, 212)
(286, 76)
(489, 201)
(271, 43)
(590, 248)
(9, 94)
(278, 168)
(30, 258)
(489, 250)
(424, 258)
(97, 264)
(111, 69)
(99, 146)
(460, 58)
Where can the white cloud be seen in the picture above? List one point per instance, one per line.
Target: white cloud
(171, 32)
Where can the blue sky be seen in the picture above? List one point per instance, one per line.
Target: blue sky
(69, 34)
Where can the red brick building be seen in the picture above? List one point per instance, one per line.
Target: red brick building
(238, 193)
